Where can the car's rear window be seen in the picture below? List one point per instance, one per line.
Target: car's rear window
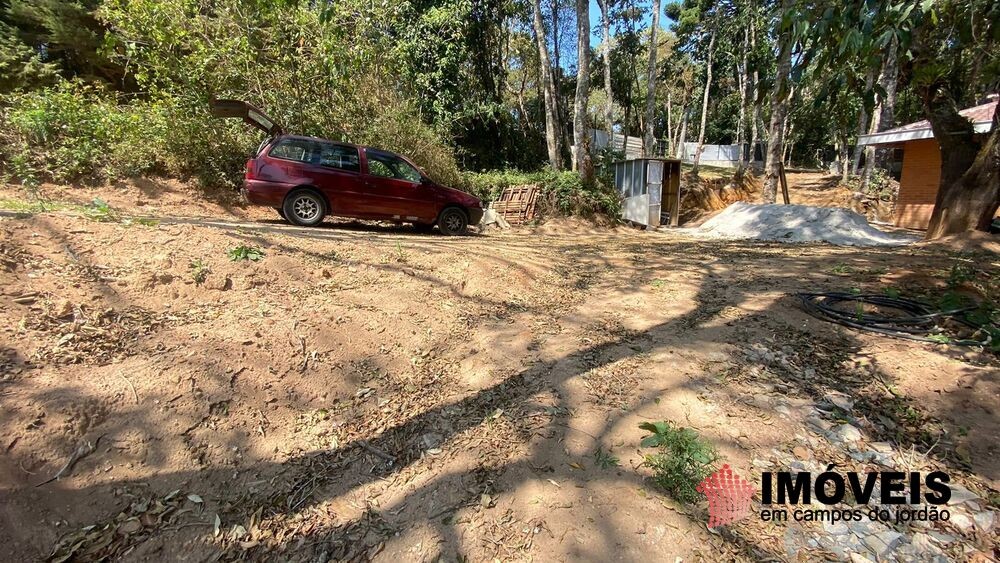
(321, 153)
(292, 149)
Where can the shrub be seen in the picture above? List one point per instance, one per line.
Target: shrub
(683, 462)
(564, 193)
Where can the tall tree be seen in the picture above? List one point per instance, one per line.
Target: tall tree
(549, 90)
(780, 94)
(649, 138)
(580, 131)
(609, 104)
(705, 96)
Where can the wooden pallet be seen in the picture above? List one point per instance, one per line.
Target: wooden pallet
(517, 204)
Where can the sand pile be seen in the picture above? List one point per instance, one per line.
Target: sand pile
(797, 223)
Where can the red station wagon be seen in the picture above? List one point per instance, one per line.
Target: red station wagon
(306, 178)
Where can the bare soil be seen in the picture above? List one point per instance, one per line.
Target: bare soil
(367, 392)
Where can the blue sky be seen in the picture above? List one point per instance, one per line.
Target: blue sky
(595, 21)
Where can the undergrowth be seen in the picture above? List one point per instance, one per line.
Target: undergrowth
(683, 461)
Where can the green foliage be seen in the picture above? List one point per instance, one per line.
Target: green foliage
(199, 271)
(684, 459)
(75, 131)
(605, 460)
(564, 193)
(100, 211)
(244, 252)
(332, 79)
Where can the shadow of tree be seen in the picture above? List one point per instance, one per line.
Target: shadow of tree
(297, 506)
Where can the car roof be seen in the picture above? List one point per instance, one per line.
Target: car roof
(341, 143)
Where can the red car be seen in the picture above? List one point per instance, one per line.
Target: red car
(306, 178)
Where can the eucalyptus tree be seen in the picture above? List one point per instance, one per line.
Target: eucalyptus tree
(649, 138)
(552, 122)
(580, 130)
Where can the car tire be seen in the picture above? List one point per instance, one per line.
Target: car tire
(453, 222)
(304, 208)
(281, 212)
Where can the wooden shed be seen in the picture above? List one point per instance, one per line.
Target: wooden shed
(921, 174)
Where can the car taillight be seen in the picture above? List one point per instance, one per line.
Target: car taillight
(251, 169)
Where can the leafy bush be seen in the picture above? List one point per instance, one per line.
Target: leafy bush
(684, 461)
(564, 192)
(244, 252)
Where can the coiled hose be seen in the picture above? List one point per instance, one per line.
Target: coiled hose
(915, 321)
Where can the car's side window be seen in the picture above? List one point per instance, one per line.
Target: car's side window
(293, 149)
(378, 167)
(406, 171)
(339, 156)
(391, 166)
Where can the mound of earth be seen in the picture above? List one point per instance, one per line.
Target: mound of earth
(797, 223)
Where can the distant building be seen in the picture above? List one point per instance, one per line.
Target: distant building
(921, 173)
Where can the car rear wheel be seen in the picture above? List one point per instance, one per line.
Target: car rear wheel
(453, 221)
(304, 208)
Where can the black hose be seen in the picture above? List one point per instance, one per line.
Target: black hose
(916, 321)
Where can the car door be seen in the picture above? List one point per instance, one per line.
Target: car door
(337, 173)
(249, 113)
(395, 187)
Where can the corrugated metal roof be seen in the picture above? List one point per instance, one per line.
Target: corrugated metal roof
(981, 117)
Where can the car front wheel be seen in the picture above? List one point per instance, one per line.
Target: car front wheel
(304, 208)
(453, 221)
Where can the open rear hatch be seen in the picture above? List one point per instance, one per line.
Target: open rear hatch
(249, 113)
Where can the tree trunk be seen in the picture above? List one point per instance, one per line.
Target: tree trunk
(779, 109)
(682, 136)
(582, 83)
(863, 125)
(651, 81)
(625, 130)
(742, 83)
(548, 88)
(755, 112)
(609, 115)
(670, 131)
(845, 170)
(969, 193)
(884, 113)
(704, 102)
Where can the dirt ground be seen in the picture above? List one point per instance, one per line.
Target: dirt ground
(365, 392)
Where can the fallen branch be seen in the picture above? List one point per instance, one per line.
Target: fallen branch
(82, 451)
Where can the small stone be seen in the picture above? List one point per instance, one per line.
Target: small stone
(63, 308)
(847, 433)
(881, 447)
(858, 558)
(840, 400)
(960, 494)
(802, 453)
(941, 537)
(837, 528)
(924, 544)
(961, 522)
(819, 423)
(984, 521)
(883, 542)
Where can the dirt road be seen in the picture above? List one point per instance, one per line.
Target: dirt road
(371, 393)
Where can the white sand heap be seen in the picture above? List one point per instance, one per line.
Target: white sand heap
(797, 223)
